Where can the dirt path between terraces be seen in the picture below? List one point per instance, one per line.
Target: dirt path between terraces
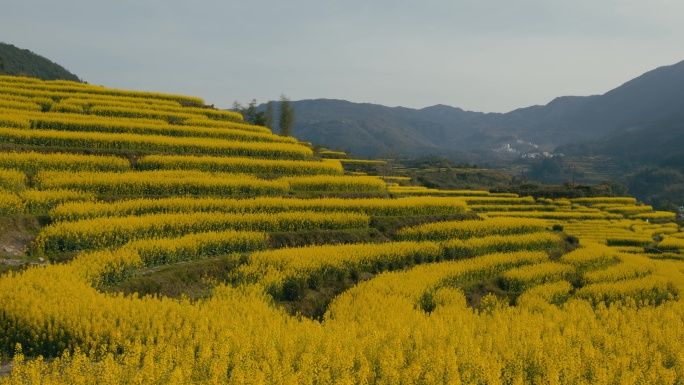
(5, 369)
(16, 234)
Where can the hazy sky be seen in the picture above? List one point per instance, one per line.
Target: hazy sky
(480, 55)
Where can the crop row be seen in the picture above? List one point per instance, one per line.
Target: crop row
(286, 273)
(10, 203)
(481, 245)
(525, 277)
(142, 126)
(173, 182)
(42, 201)
(33, 202)
(12, 180)
(111, 232)
(184, 182)
(629, 266)
(335, 183)
(547, 293)
(10, 85)
(33, 162)
(83, 105)
(411, 206)
(468, 229)
(560, 215)
(160, 251)
(419, 190)
(135, 142)
(239, 165)
(646, 289)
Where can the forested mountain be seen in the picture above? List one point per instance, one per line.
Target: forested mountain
(653, 99)
(22, 62)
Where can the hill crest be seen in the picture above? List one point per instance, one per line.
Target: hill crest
(15, 61)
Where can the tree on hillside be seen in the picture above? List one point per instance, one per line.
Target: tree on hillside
(253, 116)
(250, 113)
(547, 168)
(287, 117)
(616, 188)
(2, 67)
(269, 117)
(654, 184)
(237, 107)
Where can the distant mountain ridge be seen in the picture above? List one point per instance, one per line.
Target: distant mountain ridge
(371, 130)
(22, 62)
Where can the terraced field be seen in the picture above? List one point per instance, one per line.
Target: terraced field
(172, 243)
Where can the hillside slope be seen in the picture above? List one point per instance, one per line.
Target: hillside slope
(373, 130)
(639, 144)
(174, 244)
(369, 130)
(22, 62)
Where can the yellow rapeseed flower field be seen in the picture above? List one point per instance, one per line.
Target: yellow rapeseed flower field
(412, 286)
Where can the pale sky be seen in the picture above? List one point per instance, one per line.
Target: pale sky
(480, 55)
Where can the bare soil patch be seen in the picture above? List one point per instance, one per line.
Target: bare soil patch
(5, 369)
(16, 233)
